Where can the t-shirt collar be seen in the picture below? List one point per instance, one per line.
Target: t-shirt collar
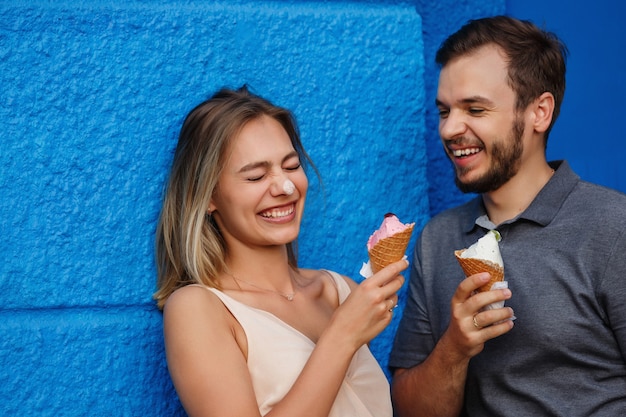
(543, 208)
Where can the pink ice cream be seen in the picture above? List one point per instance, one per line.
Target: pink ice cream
(390, 226)
(388, 244)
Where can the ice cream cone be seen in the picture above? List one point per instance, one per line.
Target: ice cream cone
(390, 249)
(473, 266)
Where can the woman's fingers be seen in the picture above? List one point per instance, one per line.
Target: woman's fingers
(388, 273)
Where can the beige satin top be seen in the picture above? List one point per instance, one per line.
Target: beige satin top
(277, 354)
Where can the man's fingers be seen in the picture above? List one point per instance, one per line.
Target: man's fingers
(471, 284)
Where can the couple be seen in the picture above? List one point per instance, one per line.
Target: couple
(248, 333)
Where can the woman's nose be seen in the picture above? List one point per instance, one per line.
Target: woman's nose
(282, 185)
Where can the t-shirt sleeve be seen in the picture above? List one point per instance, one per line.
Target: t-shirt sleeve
(612, 292)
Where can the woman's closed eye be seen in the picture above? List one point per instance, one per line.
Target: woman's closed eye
(258, 176)
(255, 176)
(293, 167)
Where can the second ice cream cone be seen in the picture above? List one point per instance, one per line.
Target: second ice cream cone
(473, 266)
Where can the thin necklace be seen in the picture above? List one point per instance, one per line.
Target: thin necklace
(288, 297)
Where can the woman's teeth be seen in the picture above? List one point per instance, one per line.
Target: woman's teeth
(273, 214)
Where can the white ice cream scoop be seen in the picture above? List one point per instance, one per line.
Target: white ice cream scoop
(288, 187)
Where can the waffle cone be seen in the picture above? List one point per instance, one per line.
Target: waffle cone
(473, 266)
(390, 249)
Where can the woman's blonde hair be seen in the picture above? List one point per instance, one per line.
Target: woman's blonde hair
(189, 246)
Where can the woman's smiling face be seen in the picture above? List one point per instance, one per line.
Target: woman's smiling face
(251, 204)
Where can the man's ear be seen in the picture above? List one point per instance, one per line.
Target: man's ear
(543, 112)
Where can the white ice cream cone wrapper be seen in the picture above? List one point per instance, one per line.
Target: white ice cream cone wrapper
(366, 269)
(498, 286)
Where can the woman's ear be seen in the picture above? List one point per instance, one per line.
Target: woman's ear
(543, 112)
(212, 207)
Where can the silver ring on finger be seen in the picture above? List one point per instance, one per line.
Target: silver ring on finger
(476, 323)
(392, 306)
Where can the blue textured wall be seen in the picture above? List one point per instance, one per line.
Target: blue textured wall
(93, 94)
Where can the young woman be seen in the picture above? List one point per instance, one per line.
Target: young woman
(247, 332)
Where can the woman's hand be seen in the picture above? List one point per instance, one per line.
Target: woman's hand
(369, 307)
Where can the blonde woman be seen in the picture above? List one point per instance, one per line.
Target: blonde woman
(247, 332)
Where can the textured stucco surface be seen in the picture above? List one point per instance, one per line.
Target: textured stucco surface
(93, 94)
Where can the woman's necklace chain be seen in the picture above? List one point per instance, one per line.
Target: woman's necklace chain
(288, 297)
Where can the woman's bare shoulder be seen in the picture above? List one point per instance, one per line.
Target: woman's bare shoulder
(195, 310)
(193, 300)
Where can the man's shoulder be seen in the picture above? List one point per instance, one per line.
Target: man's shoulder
(600, 198)
(590, 187)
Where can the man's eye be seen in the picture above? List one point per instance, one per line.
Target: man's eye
(476, 110)
(443, 113)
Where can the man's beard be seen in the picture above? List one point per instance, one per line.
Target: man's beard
(505, 157)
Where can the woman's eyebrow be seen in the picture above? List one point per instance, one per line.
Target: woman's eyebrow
(290, 155)
(264, 164)
(254, 165)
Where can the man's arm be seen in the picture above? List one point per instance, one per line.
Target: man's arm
(433, 388)
(436, 386)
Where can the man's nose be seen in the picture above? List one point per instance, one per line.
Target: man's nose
(452, 126)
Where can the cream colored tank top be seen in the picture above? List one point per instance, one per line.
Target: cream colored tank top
(277, 354)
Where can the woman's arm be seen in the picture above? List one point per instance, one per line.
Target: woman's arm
(362, 316)
(209, 369)
(205, 361)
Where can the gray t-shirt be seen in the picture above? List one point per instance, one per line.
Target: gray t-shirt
(565, 262)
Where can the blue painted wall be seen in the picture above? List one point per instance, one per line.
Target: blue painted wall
(93, 94)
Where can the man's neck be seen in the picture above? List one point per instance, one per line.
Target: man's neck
(518, 193)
